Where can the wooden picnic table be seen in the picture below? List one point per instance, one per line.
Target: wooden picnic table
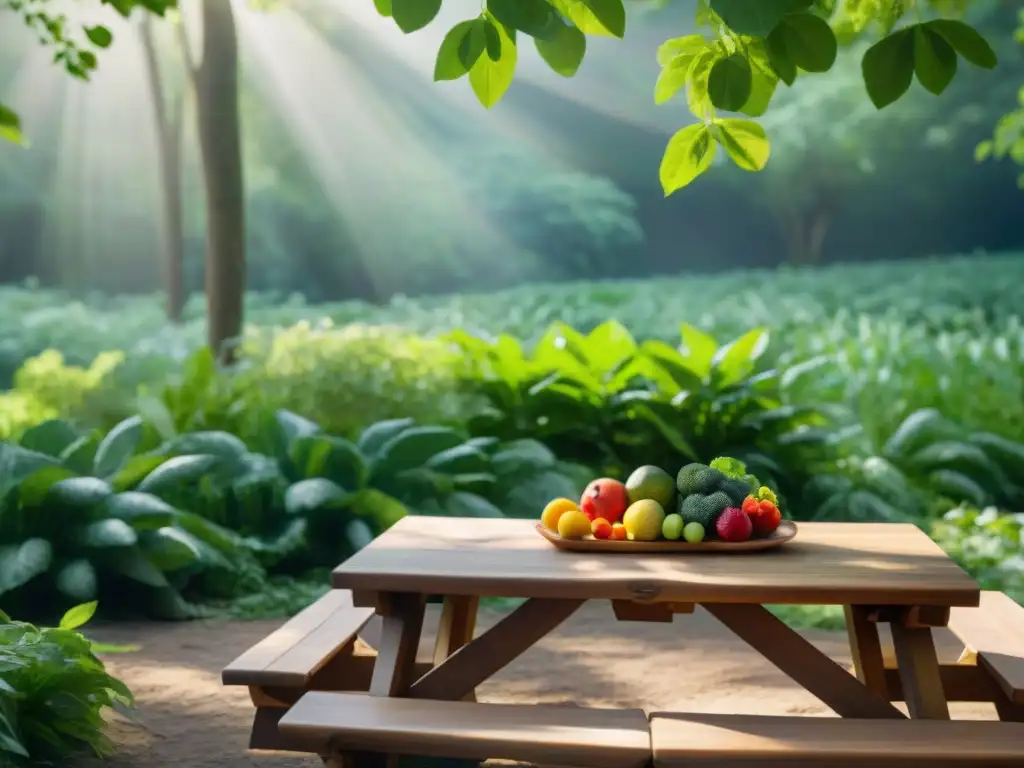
(888, 572)
(880, 573)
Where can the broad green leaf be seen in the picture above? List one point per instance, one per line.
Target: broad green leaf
(168, 548)
(744, 140)
(729, 82)
(449, 64)
(685, 47)
(762, 88)
(736, 360)
(958, 487)
(78, 616)
(20, 564)
(462, 459)
(142, 511)
(461, 504)
(80, 456)
(413, 15)
(697, 98)
(79, 492)
(10, 126)
(758, 18)
(358, 534)
(413, 448)
(673, 364)
(33, 490)
(118, 446)
(594, 17)
(308, 496)
(383, 7)
(934, 59)
(50, 437)
(131, 563)
(689, 153)
(375, 505)
(111, 532)
(17, 464)
(378, 434)
(918, 428)
(780, 59)
(966, 41)
(533, 17)
(563, 49)
(888, 67)
(807, 41)
(492, 42)
(77, 580)
(178, 471)
(522, 456)
(697, 349)
(214, 443)
(490, 79)
(99, 36)
(295, 426)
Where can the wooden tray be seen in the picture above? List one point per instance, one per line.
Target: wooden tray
(782, 534)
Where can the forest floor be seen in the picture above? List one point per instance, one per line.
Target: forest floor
(186, 718)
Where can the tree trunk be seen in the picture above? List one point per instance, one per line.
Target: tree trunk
(168, 134)
(805, 232)
(220, 143)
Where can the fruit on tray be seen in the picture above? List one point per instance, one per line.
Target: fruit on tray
(734, 525)
(643, 520)
(650, 482)
(605, 498)
(554, 511)
(672, 527)
(601, 528)
(573, 525)
(703, 502)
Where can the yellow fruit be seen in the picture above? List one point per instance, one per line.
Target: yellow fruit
(643, 520)
(554, 511)
(573, 525)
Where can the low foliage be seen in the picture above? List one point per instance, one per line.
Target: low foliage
(988, 544)
(53, 692)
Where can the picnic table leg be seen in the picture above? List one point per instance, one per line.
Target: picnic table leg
(866, 648)
(458, 623)
(919, 672)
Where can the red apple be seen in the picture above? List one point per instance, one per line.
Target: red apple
(605, 498)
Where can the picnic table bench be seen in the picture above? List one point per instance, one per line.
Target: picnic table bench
(319, 688)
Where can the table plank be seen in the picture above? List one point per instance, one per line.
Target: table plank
(827, 564)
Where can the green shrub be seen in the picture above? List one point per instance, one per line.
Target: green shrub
(988, 544)
(53, 692)
(608, 402)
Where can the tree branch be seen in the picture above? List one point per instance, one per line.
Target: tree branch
(191, 65)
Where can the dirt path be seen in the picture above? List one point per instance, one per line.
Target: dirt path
(188, 719)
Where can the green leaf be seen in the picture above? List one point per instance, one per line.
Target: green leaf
(966, 41)
(111, 532)
(378, 506)
(294, 426)
(462, 459)
(530, 16)
(595, 17)
(17, 464)
(461, 504)
(377, 435)
(169, 549)
(383, 7)
(684, 48)
(729, 82)
(779, 58)
(563, 49)
(307, 496)
(142, 511)
(19, 565)
(689, 153)
(131, 563)
(758, 18)
(492, 42)
(459, 50)
(804, 40)
(888, 67)
(934, 59)
(697, 349)
(99, 36)
(10, 126)
(744, 140)
(215, 443)
(413, 15)
(78, 616)
(762, 88)
(33, 490)
(413, 448)
(50, 437)
(178, 471)
(490, 79)
(983, 151)
(118, 446)
(79, 492)
(736, 360)
(77, 580)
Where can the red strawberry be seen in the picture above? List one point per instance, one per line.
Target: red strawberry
(767, 518)
(734, 525)
(750, 505)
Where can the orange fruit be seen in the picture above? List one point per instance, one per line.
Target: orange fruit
(601, 528)
(554, 510)
(618, 532)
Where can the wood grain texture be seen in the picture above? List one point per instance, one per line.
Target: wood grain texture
(918, 666)
(543, 734)
(804, 663)
(401, 627)
(786, 531)
(750, 741)
(827, 564)
(994, 632)
(474, 663)
(866, 648)
(291, 655)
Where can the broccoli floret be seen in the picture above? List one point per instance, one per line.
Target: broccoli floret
(704, 509)
(700, 479)
(737, 490)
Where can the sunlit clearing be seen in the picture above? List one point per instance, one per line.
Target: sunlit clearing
(390, 183)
